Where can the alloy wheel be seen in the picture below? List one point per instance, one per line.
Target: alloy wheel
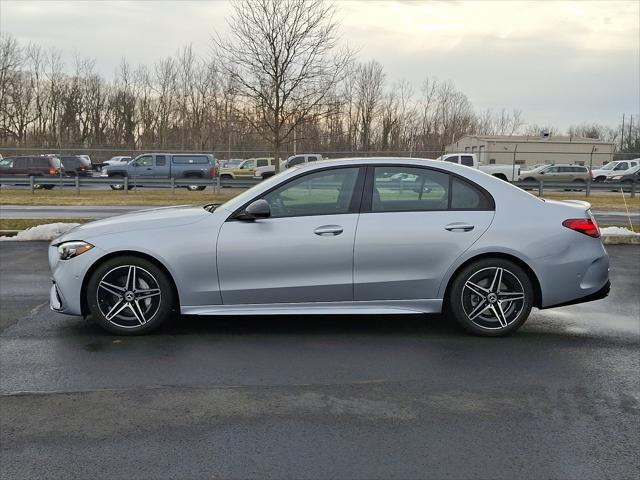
(128, 296)
(493, 298)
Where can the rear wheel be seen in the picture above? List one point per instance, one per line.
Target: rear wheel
(491, 297)
(195, 188)
(130, 296)
(118, 186)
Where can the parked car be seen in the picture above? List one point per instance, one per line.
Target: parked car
(558, 173)
(503, 172)
(479, 248)
(614, 168)
(22, 167)
(76, 165)
(117, 160)
(629, 176)
(164, 165)
(270, 170)
(246, 169)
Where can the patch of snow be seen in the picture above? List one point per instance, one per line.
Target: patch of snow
(48, 231)
(617, 231)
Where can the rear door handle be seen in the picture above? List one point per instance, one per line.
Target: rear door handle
(459, 227)
(328, 230)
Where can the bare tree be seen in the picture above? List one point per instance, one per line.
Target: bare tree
(282, 56)
(370, 83)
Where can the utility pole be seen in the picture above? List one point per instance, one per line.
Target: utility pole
(622, 138)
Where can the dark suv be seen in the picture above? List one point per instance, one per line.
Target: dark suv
(23, 167)
(75, 165)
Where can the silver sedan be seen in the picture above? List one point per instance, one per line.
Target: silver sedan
(356, 236)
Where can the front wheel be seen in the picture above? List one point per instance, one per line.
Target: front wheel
(196, 188)
(491, 297)
(130, 296)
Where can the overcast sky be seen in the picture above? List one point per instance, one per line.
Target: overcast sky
(560, 62)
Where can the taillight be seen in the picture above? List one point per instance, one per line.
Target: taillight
(52, 171)
(212, 172)
(583, 225)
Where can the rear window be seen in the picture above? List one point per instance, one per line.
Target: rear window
(189, 159)
(453, 159)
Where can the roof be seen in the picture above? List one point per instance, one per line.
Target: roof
(536, 139)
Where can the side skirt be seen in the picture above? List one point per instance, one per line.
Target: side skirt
(374, 307)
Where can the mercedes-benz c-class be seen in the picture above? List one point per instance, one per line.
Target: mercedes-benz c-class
(354, 236)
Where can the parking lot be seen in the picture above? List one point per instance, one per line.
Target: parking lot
(316, 397)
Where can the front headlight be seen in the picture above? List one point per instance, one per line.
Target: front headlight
(72, 249)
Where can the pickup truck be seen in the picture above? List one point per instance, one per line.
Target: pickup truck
(164, 165)
(246, 169)
(269, 171)
(508, 173)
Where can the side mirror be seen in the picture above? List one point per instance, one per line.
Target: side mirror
(134, 164)
(258, 209)
(541, 173)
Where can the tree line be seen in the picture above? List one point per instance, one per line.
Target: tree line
(280, 78)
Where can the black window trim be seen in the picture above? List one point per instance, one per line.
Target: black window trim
(354, 206)
(367, 197)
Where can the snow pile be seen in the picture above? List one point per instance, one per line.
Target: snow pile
(48, 231)
(617, 231)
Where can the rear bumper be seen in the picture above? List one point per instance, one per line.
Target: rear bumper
(599, 295)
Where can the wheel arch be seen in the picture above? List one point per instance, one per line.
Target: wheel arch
(501, 176)
(537, 291)
(84, 307)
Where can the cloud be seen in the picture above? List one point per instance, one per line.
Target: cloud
(561, 62)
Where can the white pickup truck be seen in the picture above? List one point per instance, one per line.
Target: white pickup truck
(508, 173)
(269, 171)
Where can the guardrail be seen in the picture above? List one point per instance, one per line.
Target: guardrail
(128, 183)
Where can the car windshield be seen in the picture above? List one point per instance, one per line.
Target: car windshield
(609, 166)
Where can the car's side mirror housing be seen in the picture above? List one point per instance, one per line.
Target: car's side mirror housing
(134, 164)
(257, 209)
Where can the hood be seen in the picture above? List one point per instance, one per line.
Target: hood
(156, 218)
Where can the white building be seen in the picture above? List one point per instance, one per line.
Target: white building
(531, 150)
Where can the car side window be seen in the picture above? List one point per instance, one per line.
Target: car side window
(621, 166)
(409, 189)
(145, 161)
(249, 164)
(296, 161)
(263, 162)
(465, 196)
(161, 160)
(467, 160)
(6, 163)
(552, 170)
(452, 159)
(328, 192)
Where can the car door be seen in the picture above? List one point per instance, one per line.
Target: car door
(304, 251)
(246, 169)
(161, 167)
(415, 222)
(143, 167)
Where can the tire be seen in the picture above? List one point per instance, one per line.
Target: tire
(121, 308)
(599, 179)
(482, 309)
(47, 187)
(118, 186)
(195, 188)
(225, 176)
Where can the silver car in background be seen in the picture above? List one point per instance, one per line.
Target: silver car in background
(356, 236)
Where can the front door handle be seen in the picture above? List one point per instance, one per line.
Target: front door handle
(459, 227)
(328, 230)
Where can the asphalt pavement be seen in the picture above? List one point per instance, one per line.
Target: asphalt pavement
(609, 217)
(318, 397)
